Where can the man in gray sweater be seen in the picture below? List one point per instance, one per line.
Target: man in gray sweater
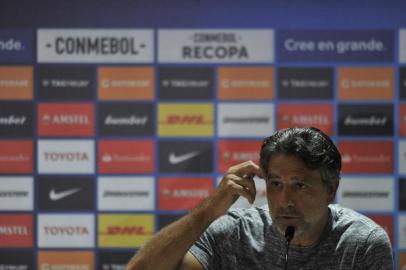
(298, 229)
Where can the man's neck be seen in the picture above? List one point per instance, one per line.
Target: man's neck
(313, 237)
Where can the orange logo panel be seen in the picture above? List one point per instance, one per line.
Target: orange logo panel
(16, 231)
(65, 119)
(126, 156)
(16, 156)
(253, 83)
(126, 83)
(233, 152)
(366, 83)
(16, 83)
(66, 260)
(402, 260)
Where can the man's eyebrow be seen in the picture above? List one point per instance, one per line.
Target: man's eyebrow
(271, 175)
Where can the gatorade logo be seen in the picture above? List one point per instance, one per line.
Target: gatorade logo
(78, 260)
(366, 83)
(126, 83)
(16, 83)
(253, 83)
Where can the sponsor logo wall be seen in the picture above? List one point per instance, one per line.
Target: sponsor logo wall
(108, 135)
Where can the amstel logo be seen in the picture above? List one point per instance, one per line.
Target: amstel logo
(182, 193)
(306, 115)
(16, 230)
(232, 152)
(119, 230)
(65, 119)
(191, 119)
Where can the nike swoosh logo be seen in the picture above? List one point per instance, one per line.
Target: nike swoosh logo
(174, 159)
(56, 196)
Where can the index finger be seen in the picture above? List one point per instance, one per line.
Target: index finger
(246, 168)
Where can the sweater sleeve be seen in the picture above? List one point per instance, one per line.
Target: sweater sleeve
(378, 251)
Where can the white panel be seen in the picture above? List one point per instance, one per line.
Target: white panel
(16, 193)
(215, 46)
(76, 231)
(366, 194)
(126, 193)
(66, 156)
(95, 46)
(245, 120)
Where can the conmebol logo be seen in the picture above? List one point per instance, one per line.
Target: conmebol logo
(94, 45)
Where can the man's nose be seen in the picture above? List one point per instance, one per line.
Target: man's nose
(287, 197)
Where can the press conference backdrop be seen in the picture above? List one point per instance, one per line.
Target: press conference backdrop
(118, 118)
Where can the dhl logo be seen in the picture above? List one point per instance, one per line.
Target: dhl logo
(125, 230)
(185, 119)
(192, 119)
(120, 230)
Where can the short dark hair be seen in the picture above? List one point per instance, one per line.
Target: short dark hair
(311, 145)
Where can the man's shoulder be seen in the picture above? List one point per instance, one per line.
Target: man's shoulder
(351, 223)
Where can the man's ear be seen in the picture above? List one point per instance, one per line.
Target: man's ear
(331, 191)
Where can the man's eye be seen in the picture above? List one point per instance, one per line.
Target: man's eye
(301, 185)
(275, 183)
